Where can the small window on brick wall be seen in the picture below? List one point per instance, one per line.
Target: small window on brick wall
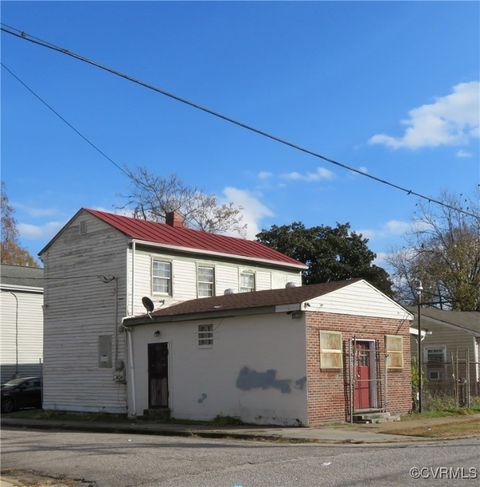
(394, 350)
(331, 350)
(205, 336)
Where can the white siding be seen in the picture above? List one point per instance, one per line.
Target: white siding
(79, 308)
(359, 298)
(226, 277)
(184, 277)
(204, 382)
(30, 332)
(263, 280)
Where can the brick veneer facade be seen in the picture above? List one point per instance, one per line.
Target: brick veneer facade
(328, 391)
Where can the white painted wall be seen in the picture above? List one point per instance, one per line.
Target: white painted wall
(79, 308)
(30, 331)
(261, 343)
(361, 299)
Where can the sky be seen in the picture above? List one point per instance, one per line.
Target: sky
(391, 88)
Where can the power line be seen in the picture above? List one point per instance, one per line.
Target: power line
(35, 40)
(87, 140)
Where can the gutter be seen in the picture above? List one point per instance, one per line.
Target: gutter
(131, 367)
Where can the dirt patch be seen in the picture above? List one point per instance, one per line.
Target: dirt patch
(33, 479)
(444, 427)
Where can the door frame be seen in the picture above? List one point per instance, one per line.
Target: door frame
(373, 371)
(168, 374)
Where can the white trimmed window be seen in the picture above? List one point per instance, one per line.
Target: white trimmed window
(394, 351)
(205, 281)
(331, 350)
(205, 336)
(247, 282)
(435, 354)
(161, 277)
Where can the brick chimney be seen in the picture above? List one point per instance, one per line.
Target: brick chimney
(174, 219)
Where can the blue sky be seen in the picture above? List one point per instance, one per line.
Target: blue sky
(391, 88)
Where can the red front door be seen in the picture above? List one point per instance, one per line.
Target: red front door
(362, 375)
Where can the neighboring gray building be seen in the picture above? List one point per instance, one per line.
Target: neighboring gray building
(448, 333)
(21, 349)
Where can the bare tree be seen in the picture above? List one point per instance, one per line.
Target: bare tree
(443, 251)
(152, 197)
(11, 251)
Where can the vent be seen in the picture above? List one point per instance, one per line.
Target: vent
(83, 228)
(290, 284)
(229, 291)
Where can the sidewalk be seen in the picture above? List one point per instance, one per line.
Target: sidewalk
(343, 433)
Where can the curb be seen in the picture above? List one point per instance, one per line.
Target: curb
(136, 429)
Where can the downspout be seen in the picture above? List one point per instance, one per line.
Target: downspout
(16, 332)
(131, 367)
(134, 246)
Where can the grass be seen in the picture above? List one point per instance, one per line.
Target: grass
(462, 427)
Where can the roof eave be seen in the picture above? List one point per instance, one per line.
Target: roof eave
(211, 314)
(193, 250)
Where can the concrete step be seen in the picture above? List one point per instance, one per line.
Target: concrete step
(374, 417)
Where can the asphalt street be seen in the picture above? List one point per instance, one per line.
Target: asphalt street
(120, 460)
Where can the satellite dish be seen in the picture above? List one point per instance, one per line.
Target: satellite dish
(148, 304)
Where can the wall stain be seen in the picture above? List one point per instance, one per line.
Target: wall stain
(202, 398)
(300, 383)
(251, 379)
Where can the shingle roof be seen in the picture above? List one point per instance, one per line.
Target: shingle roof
(470, 320)
(21, 276)
(249, 300)
(161, 233)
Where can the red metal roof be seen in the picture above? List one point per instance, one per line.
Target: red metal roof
(161, 233)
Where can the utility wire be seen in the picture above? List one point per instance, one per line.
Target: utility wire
(88, 141)
(35, 40)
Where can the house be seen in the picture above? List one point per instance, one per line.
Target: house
(451, 337)
(99, 267)
(21, 348)
(232, 331)
(281, 356)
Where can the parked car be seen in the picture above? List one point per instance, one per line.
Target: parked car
(21, 393)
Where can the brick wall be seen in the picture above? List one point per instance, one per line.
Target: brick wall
(328, 391)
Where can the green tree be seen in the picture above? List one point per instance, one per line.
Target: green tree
(11, 251)
(331, 253)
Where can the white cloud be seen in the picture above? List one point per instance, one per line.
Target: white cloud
(450, 120)
(35, 211)
(264, 175)
(392, 228)
(39, 232)
(462, 154)
(363, 169)
(253, 210)
(320, 174)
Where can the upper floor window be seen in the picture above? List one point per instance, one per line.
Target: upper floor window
(205, 281)
(161, 277)
(247, 282)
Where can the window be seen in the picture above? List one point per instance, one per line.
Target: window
(394, 350)
(205, 336)
(247, 282)
(434, 375)
(435, 355)
(331, 356)
(205, 281)
(161, 277)
(83, 227)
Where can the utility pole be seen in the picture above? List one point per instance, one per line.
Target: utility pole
(419, 290)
